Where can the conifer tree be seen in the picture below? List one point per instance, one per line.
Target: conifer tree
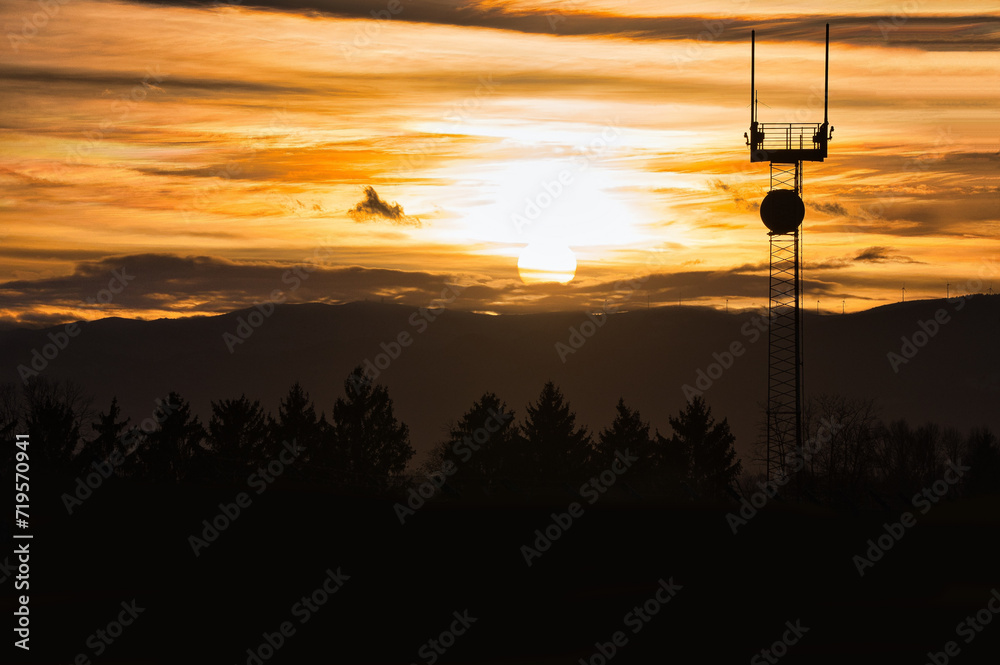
(374, 446)
(707, 449)
(557, 452)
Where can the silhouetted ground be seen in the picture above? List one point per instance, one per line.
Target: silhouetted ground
(789, 563)
(645, 356)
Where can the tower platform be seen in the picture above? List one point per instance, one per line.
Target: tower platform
(788, 143)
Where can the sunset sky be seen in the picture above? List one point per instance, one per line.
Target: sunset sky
(205, 150)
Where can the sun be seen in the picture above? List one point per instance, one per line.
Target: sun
(546, 261)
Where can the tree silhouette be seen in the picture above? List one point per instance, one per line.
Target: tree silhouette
(10, 411)
(236, 432)
(904, 459)
(557, 452)
(326, 460)
(984, 462)
(55, 413)
(857, 460)
(129, 449)
(708, 450)
(174, 450)
(841, 434)
(10, 418)
(374, 446)
(482, 446)
(673, 466)
(297, 422)
(662, 463)
(110, 430)
(628, 430)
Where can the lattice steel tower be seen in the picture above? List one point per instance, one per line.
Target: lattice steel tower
(785, 146)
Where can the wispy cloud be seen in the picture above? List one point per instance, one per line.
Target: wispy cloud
(737, 194)
(372, 209)
(882, 255)
(279, 122)
(166, 285)
(938, 32)
(835, 209)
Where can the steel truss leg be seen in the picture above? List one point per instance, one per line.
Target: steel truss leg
(784, 376)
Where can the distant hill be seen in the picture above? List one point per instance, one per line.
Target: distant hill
(646, 356)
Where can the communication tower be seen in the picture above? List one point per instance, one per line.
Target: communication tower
(785, 146)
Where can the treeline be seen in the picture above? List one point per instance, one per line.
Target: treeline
(851, 458)
(854, 459)
(364, 448)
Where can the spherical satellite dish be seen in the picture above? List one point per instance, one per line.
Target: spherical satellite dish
(782, 210)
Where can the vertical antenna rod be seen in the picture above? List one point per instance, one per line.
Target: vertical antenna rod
(826, 96)
(753, 48)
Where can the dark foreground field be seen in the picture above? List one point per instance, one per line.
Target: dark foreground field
(402, 585)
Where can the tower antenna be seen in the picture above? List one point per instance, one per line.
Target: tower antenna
(753, 68)
(826, 88)
(785, 146)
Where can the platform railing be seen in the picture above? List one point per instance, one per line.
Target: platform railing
(789, 136)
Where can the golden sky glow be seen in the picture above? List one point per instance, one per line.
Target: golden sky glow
(208, 150)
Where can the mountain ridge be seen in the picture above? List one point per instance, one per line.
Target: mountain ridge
(446, 359)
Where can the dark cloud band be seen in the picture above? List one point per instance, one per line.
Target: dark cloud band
(931, 33)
